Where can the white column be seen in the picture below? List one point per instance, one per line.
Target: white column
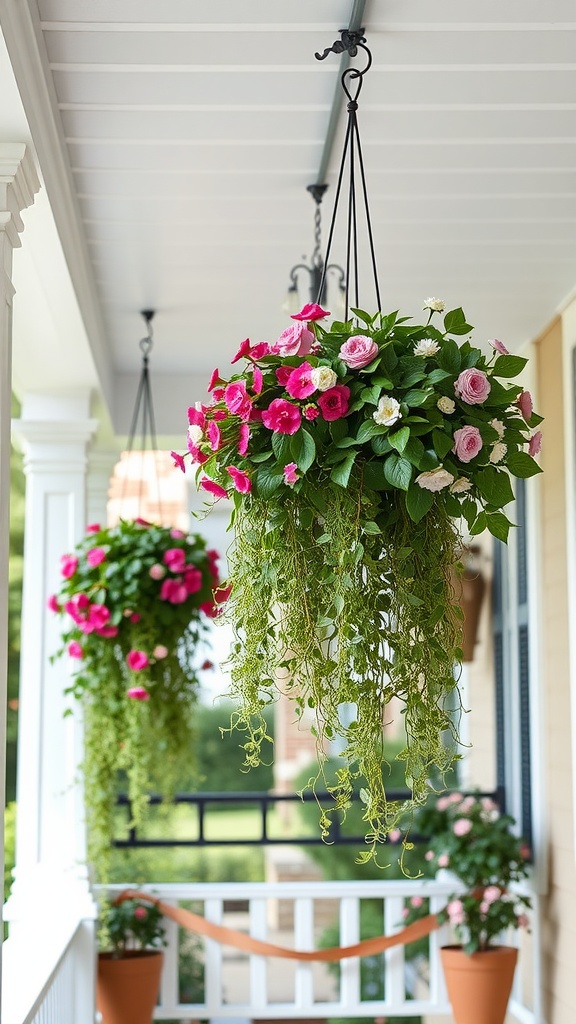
(101, 463)
(54, 432)
(18, 185)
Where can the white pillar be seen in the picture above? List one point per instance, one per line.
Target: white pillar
(101, 463)
(18, 185)
(54, 432)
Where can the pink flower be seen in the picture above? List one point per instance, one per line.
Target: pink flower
(472, 386)
(455, 798)
(456, 912)
(108, 632)
(75, 649)
(141, 913)
(296, 340)
(443, 860)
(157, 571)
(311, 412)
(178, 461)
(192, 580)
(137, 660)
(173, 591)
(213, 488)
(160, 652)
(177, 534)
(243, 439)
(242, 483)
(429, 855)
(175, 559)
(524, 402)
(257, 380)
(416, 901)
(442, 803)
(138, 693)
(462, 826)
(282, 374)
(98, 615)
(259, 351)
(535, 443)
(282, 417)
(467, 443)
(522, 921)
(93, 528)
(491, 894)
(68, 565)
(333, 403)
(405, 913)
(498, 346)
(196, 417)
(95, 556)
(78, 604)
(484, 908)
(311, 311)
(214, 379)
(358, 351)
(213, 433)
(395, 835)
(242, 351)
(290, 474)
(237, 399)
(299, 383)
(52, 603)
(135, 617)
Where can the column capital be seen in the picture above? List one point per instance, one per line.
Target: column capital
(19, 183)
(51, 446)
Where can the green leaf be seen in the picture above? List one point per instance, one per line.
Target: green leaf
(371, 528)
(341, 473)
(508, 366)
(523, 465)
(267, 480)
(455, 322)
(380, 444)
(442, 443)
(416, 397)
(281, 446)
(369, 428)
(303, 450)
(419, 501)
(449, 357)
(398, 472)
(383, 382)
(494, 485)
(414, 451)
(435, 376)
(362, 315)
(498, 525)
(400, 439)
(479, 524)
(370, 395)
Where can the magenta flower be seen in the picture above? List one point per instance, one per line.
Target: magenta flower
(177, 534)
(214, 379)
(300, 383)
(242, 351)
(98, 615)
(76, 606)
(259, 351)
(135, 617)
(535, 443)
(462, 826)
(242, 483)
(358, 351)
(93, 528)
(237, 400)
(214, 437)
(524, 402)
(178, 461)
(257, 380)
(296, 340)
(75, 650)
(213, 488)
(192, 580)
(141, 913)
(472, 386)
(282, 417)
(52, 603)
(138, 693)
(311, 412)
(68, 565)
(290, 474)
(311, 311)
(243, 439)
(95, 556)
(175, 559)
(196, 417)
(467, 443)
(108, 632)
(333, 403)
(498, 346)
(137, 660)
(174, 591)
(282, 374)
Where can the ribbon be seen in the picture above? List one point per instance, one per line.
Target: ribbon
(230, 937)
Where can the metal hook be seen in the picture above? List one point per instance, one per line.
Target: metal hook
(350, 41)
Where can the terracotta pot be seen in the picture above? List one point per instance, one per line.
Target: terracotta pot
(479, 985)
(127, 988)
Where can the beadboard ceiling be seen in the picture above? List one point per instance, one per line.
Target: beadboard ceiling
(176, 140)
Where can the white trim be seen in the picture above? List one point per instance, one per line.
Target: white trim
(568, 347)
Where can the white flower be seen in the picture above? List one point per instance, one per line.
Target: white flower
(195, 433)
(323, 378)
(445, 404)
(498, 452)
(434, 304)
(426, 347)
(461, 485)
(435, 479)
(388, 411)
(498, 426)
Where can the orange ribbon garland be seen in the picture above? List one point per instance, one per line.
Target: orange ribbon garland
(231, 937)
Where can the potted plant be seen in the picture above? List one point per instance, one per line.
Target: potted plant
(129, 973)
(351, 455)
(134, 601)
(470, 838)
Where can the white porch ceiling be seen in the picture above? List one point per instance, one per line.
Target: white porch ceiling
(177, 139)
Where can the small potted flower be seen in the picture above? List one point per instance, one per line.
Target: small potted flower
(471, 839)
(134, 601)
(129, 972)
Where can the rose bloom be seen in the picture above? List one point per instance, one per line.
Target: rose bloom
(237, 400)
(467, 443)
(416, 901)
(455, 911)
(141, 913)
(426, 347)
(333, 404)
(445, 405)
(472, 386)
(75, 649)
(443, 860)
(300, 383)
(98, 615)
(175, 559)
(160, 651)
(492, 893)
(429, 855)
(137, 660)
(358, 351)
(213, 434)
(395, 835)
(296, 340)
(498, 452)
(311, 412)
(461, 485)
(435, 479)
(174, 591)
(282, 374)
(462, 826)
(69, 564)
(535, 443)
(192, 580)
(498, 346)
(442, 803)
(243, 439)
(157, 571)
(435, 304)
(52, 603)
(282, 417)
(388, 411)
(138, 693)
(323, 378)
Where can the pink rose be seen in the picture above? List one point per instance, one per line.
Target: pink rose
(76, 606)
(429, 855)
(358, 351)
(93, 528)
(462, 826)
(178, 461)
(498, 346)
(242, 483)
(535, 443)
(68, 565)
(192, 580)
(242, 351)
(213, 434)
(175, 559)
(299, 383)
(282, 374)
(137, 660)
(138, 693)
(443, 860)
(98, 615)
(456, 912)
(177, 534)
(296, 340)
(467, 443)
(492, 893)
(416, 901)
(442, 803)
(311, 311)
(472, 386)
(395, 835)
(237, 399)
(160, 652)
(213, 488)
(173, 591)
(52, 603)
(196, 417)
(311, 412)
(157, 571)
(108, 632)
(333, 404)
(75, 649)
(243, 439)
(282, 417)
(290, 474)
(95, 556)
(141, 913)
(524, 402)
